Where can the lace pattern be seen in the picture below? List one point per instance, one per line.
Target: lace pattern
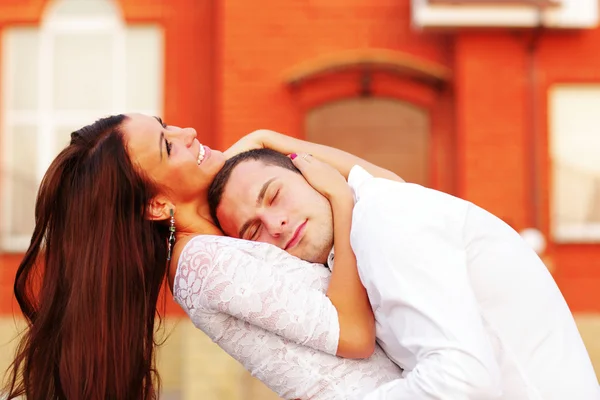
(269, 311)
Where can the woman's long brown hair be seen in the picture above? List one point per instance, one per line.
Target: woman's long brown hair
(89, 283)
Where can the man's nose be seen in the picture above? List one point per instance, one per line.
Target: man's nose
(275, 224)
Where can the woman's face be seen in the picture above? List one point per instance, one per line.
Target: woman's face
(172, 157)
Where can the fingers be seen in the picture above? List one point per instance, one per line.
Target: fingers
(301, 161)
(301, 156)
(322, 177)
(309, 168)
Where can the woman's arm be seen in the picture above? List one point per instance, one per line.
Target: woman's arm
(263, 286)
(346, 291)
(339, 159)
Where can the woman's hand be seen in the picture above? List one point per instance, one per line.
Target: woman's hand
(340, 160)
(346, 291)
(322, 176)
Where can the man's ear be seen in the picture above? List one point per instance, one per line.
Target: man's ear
(159, 209)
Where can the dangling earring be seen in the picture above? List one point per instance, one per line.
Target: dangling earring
(171, 241)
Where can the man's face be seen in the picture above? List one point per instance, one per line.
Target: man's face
(274, 205)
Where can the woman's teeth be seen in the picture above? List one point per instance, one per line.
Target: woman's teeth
(201, 154)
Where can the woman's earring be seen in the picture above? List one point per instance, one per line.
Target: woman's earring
(171, 241)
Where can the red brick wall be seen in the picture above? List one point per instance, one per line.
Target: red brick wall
(260, 43)
(490, 107)
(224, 66)
(494, 127)
(571, 57)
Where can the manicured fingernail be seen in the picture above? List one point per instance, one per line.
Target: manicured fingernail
(293, 155)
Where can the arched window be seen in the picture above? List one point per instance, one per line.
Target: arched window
(390, 133)
(80, 64)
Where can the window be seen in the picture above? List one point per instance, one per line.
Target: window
(81, 64)
(390, 133)
(575, 156)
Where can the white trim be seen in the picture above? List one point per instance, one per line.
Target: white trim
(571, 122)
(45, 101)
(425, 15)
(568, 15)
(6, 84)
(15, 243)
(81, 26)
(577, 233)
(6, 143)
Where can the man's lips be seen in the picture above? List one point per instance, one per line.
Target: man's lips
(296, 237)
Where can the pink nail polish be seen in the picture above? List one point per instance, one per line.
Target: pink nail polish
(293, 155)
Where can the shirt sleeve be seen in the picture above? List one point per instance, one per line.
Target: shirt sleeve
(410, 250)
(217, 276)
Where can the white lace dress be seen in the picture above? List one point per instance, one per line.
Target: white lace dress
(269, 311)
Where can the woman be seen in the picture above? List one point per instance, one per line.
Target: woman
(90, 280)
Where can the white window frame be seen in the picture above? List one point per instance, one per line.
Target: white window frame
(585, 232)
(45, 118)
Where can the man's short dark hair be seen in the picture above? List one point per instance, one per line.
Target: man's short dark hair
(217, 187)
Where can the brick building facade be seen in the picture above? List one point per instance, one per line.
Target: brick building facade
(478, 112)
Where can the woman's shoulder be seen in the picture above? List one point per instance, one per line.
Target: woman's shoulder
(201, 261)
(203, 243)
(211, 251)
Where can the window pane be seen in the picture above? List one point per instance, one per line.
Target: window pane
(144, 68)
(389, 133)
(62, 135)
(87, 8)
(83, 65)
(23, 184)
(575, 143)
(22, 54)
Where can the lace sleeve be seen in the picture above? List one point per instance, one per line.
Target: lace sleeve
(218, 275)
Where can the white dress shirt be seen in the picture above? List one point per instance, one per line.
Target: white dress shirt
(461, 303)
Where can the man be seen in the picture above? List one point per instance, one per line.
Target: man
(462, 304)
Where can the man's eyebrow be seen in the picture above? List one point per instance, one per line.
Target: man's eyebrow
(259, 199)
(263, 190)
